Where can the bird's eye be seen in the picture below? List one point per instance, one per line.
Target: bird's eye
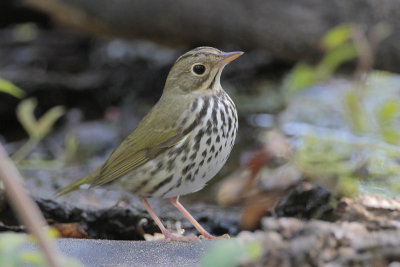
(199, 69)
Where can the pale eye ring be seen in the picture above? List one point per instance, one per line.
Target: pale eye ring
(198, 69)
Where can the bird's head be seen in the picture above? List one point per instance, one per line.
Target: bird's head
(199, 70)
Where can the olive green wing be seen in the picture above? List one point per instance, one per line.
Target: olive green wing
(127, 158)
(124, 159)
(153, 136)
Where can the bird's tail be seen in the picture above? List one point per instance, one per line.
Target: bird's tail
(75, 185)
(71, 187)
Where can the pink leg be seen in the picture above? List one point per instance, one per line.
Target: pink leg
(168, 235)
(203, 232)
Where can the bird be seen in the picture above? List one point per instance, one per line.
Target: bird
(182, 142)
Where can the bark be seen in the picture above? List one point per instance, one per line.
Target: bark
(289, 30)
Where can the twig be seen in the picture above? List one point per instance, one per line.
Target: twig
(365, 55)
(26, 209)
(23, 152)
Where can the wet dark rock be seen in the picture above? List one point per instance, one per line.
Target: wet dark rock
(12, 228)
(103, 218)
(11, 12)
(304, 201)
(349, 241)
(112, 223)
(60, 68)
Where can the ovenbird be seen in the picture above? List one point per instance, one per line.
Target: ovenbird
(182, 142)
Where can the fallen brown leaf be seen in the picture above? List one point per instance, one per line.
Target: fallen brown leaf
(72, 230)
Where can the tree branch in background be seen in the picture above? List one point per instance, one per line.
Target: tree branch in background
(288, 30)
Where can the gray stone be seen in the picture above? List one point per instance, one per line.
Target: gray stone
(98, 253)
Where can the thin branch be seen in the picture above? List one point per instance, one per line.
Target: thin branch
(365, 55)
(24, 151)
(27, 210)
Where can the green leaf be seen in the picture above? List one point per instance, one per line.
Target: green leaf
(254, 251)
(386, 115)
(46, 122)
(336, 57)
(347, 186)
(25, 32)
(71, 145)
(355, 112)
(390, 135)
(388, 110)
(229, 253)
(25, 114)
(10, 88)
(35, 258)
(301, 77)
(339, 50)
(37, 128)
(13, 252)
(336, 37)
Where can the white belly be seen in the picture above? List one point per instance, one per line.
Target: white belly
(204, 152)
(222, 141)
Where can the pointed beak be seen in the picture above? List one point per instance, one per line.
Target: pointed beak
(228, 57)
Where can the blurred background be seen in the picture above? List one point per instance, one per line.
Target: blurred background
(317, 94)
